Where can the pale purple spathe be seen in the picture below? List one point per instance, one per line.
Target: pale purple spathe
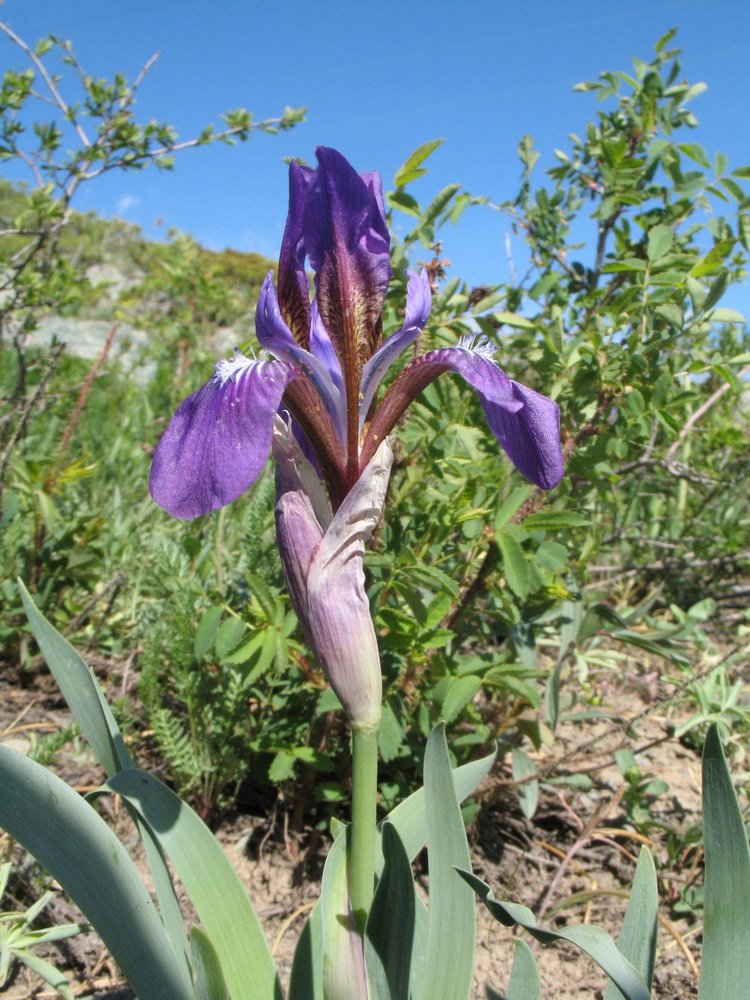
(322, 558)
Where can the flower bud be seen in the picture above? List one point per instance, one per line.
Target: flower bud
(322, 559)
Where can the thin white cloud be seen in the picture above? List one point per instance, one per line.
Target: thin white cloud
(127, 202)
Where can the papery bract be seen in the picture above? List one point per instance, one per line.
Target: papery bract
(322, 558)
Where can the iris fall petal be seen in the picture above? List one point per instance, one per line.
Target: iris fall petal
(218, 441)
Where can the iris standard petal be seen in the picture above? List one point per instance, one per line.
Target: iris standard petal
(526, 424)
(322, 347)
(347, 243)
(218, 441)
(293, 283)
(273, 334)
(418, 304)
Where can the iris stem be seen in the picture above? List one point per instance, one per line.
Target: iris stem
(361, 860)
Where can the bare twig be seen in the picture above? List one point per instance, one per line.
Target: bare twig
(703, 408)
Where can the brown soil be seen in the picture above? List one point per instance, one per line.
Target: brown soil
(577, 843)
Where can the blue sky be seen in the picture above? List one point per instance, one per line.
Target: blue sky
(379, 79)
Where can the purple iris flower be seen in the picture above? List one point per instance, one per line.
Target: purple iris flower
(329, 360)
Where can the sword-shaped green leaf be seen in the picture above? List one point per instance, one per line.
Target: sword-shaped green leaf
(451, 936)
(211, 883)
(306, 980)
(207, 975)
(389, 936)
(344, 975)
(637, 940)
(525, 983)
(74, 844)
(86, 700)
(725, 964)
(593, 940)
(409, 816)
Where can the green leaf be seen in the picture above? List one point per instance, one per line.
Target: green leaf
(637, 940)
(524, 769)
(553, 519)
(208, 979)
(723, 315)
(409, 816)
(86, 701)
(228, 636)
(74, 844)
(389, 936)
(80, 689)
(659, 241)
(404, 202)
(451, 938)
(47, 971)
(594, 941)
(511, 506)
(696, 152)
(513, 319)
(206, 631)
(516, 567)
(525, 983)
(412, 169)
(733, 188)
(263, 595)
(460, 691)
(716, 291)
(211, 883)
(342, 947)
(487, 302)
(306, 981)
(439, 203)
(725, 966)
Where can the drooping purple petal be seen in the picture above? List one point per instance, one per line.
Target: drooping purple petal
(530, 436)
(273, 334)
(347, 243)
(218, 441)
(418, 304)
(293, 283)
(526, 424)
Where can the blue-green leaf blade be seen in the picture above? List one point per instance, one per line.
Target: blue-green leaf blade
(451, 938)
(725, 964)
(637, 940)
(344, 976)
(306, 980)
(389, 935)
(86, 700)
(409, 816)
(208, 978)
(594, 941)
(525, 983)
(74, 844)
(211, 883)
(80, 689)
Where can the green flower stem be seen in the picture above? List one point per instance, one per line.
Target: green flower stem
(361, 849)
